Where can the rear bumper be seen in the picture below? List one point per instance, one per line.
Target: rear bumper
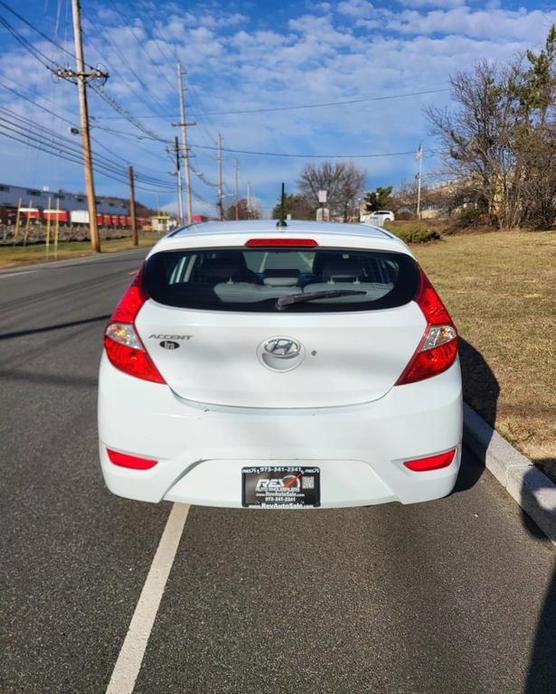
(201, 449)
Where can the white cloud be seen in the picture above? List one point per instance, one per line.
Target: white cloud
(510, 25)
(356, 8)
(444, 4)
(234, 63)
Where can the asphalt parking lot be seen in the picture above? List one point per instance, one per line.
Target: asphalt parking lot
(457, 595)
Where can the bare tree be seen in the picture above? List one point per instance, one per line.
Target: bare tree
(500, 141)
(476, 139)
(343, 181)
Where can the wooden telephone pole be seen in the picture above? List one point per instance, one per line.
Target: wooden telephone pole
(183, 124)
(220, 203)
(81, 77)
(237, 189)
(134, 233)
(178, 177)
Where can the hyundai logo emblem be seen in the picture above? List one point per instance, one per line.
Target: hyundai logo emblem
(282, 348)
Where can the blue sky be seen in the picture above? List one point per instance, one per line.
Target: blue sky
(242, 56)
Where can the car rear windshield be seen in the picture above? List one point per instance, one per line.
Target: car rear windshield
(245, 279)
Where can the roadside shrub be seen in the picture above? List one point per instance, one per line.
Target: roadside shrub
(472, 217)
(418, 232)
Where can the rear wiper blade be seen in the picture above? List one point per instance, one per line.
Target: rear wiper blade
(284, 301)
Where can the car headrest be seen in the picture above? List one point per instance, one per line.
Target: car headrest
(323, 259)
(343, 271)
(281, 277)
(232, 257)
(224, 269)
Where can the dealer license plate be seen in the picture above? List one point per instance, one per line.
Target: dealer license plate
(280, 486)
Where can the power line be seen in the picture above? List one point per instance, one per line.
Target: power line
(127, 64)
(70, 144)
(128, 24)
(66, 151)
(124, 133)
(43, 108)
(52, 65)
(37, 128)
(40, 33)
(325, 104)
(38, 55)
(65, 146)
(307, 156)
(111, 101)
(173, 56)
(201, 176)
(23, 139)
(71, 123)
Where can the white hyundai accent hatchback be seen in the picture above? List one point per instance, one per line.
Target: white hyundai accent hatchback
(250, 365)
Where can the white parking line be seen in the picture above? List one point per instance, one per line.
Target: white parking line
(132, 652)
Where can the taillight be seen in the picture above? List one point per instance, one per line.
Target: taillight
(438, 347)
(432, 462)
(121, 341)
(133, 462)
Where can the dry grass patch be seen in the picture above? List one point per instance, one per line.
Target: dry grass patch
(500, 288)
(11, 256)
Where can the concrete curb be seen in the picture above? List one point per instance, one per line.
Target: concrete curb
(531, 488)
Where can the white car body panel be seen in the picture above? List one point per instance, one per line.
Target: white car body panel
(337, 367)
(223, 410)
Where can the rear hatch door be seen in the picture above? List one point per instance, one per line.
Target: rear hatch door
(218, 338)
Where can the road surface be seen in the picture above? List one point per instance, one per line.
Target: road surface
(452, 596)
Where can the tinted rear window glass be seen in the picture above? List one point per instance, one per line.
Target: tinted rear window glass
(245, 279)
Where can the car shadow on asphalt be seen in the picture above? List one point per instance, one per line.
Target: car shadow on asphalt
(57, 326)
(480, 391)
(541, 674)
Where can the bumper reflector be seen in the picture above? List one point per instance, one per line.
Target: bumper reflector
(130, 461)
(433, 462)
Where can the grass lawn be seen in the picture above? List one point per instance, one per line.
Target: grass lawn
(36, 253)
(500, 288)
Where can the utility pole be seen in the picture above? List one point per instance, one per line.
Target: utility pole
(237, 190)
(134, 234)
(248, 200)
(220, 203)
(81, 77)
(176, 150)
(419, 157)
(183, 124)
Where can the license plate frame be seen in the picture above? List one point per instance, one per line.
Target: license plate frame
(280, 486)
